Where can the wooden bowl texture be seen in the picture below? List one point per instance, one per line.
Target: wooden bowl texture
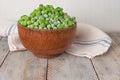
(46, 43)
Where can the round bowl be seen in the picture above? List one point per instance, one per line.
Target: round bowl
(46, 43)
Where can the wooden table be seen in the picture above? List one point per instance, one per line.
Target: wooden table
(23, 65)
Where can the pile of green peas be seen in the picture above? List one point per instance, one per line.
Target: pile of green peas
(47, 17)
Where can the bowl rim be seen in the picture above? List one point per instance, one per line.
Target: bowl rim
(74, 26)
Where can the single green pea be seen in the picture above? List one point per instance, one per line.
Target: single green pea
(51, 7)
(52, 11)
(41, 21)
(52, 16)
(21, 22)
(52, 25)
(36, 27)
(49, 26)
(36, 23)
(70, 24)
(36, 18)
(73, 19)
(49, 13)
(41, 6)
(31, 26)
(33, 20)
(28, 18)
(25, 23)
(45, 15)
(56, 23)
(60, 26)
(42, 12)
(66, 25)
(51, 20)
(61, 12)
(38, 13)
(45, 28)
(41, 18)
(48, 19)
(23, 17)
(42, 25)
(32, 14)
(54, 28)
(56, 13)
(29, 22)
(47, 22)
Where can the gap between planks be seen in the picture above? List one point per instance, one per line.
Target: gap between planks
(47, 70)
(6, 63)
(107, 65)
(0, 37)
(4, 50)
(4, 59)
(94, 69)
(25, 67)
(68, 67)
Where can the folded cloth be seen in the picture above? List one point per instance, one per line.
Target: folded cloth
(89, 42)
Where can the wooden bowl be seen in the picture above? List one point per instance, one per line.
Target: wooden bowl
(46, 43)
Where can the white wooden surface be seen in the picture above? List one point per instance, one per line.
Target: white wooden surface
(68, 67)
(23, 66)
(3, 50)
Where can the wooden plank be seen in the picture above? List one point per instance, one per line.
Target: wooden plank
(108, 66)
(4, 49)
(23, 66)
(68, 67)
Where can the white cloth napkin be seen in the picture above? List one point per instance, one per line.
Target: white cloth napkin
(89, 42)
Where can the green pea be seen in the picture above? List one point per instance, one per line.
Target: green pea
(44, 28)
(43, 25)
(49, 13)
(31, 26)
(41, 5)
(60, 26)
(41, 18)
(33, 20)
(47, 17)
(48, 26)
(51, 7)
(40, 27)
(47, 22)
(36, 23)
(66, 25)
(38, 13)
(73, 19)
(41, 21)
(54, 27)
(46, 12)
(32, 14)
(29, 22)
(36, 27)
(23, 17)
(70, 24)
